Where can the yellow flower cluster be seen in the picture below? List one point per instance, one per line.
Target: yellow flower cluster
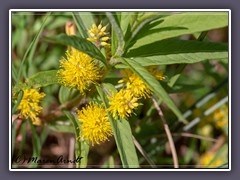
(220, 117)
(135, 84)
(156, 72)
(98, 35)
(124, 101)
(207, 160)
(29, 106)
(78, 70)
(95, 125)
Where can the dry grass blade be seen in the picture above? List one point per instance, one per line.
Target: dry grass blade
(144, 154)
(169, 136)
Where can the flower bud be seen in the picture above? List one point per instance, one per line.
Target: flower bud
(70, 28)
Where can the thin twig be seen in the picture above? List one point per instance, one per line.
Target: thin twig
(219, 143)
(195, 136)
(144, 154)
(190, 135)
(168, 133)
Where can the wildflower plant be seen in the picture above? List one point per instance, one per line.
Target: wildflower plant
(114, 87)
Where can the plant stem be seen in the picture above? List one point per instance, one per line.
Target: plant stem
(144, 154)
(168, 133)
(195, 136)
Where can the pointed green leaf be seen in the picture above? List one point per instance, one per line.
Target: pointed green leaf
(84, 21)
(179, 24)
(44, 78)
(37, 146)
(61, 127)
(119, 33)
(80, 44)
(174, 51)
(31, 45)
(66, 94)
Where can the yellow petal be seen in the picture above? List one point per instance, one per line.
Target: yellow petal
(105, 38)
(104, 44)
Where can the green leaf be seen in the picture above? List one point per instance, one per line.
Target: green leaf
(119, 33)
(87, 19)
(84, 153)
(74, 122)
(179, 24)
(23, 134)
(139, 21)
(109, 163)
(14, 133)
(173, 51)
(176, 46)
(154, 85)
(222, 154)
(34, 47)
(123, 136)
(180, 88)
(44, 78)
(66, 94)
(81, 147)
(114, 41)
(14, 109)
(84, 21)
(151, 15)
(14, 124)
(225, 165)
(29, 49)
(14, 73)
(125, 18)
(44, 134)
(36, 145)
(59, 127)
(80, 44)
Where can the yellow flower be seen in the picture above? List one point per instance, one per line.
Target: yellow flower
(221, 117)
(207, 158)
(78, 70)
(98, 35)
(95, 125)
(122, 103)
(156, 73)
(135, 84)
(29, 105)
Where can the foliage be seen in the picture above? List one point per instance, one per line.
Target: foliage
(116, 63)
